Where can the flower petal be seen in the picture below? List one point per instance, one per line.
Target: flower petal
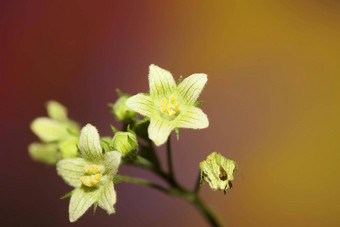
(192, 117)
(142, 104)
(49, 130)
(56, 111)
(107, 198)
(191, 87)
(47, 153)
(81, 200)
(89, 143)
(159, 130)
(161, 82)
(71, 169)
(111, 162)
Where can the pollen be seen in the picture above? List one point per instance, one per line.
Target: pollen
(90, 181)
(91, 169)
(170, 106)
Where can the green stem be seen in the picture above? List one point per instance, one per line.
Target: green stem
(209, 215)
(146, 164)
(140, 182)
(170, 166)
(175, 189)
(198, 183)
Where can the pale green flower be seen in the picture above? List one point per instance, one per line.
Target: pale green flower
(170, 106)
(91, 175)
(217, 171)
(47, 153)
(58, 135)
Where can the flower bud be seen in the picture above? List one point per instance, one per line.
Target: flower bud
(125, 143)
(121, 111)
(217, 171)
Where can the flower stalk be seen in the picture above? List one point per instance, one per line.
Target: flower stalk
(175, 189)
(90, 163)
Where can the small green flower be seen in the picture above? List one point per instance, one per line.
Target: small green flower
(217, 171)
(125, 142)
(58, 134)
(170, 106)
(91, 175)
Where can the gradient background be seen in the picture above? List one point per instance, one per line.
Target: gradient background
(272, 99)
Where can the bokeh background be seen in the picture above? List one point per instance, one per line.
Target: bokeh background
(272, 99)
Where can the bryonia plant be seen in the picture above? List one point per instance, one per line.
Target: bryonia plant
(89, 163)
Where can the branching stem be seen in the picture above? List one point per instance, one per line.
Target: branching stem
(174, 189)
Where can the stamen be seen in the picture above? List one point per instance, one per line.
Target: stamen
(91, 169)
(90, 181)
(163, 105)
(170, 106)
(172, 98)
(177, 106)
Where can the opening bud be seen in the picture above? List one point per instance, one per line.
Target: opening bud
(121, 111)
(125, 142)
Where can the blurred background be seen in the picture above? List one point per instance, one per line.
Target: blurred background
(272, 99)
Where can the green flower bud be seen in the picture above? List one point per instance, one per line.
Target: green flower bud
(218, 172)
(121, 111)
(125, 143)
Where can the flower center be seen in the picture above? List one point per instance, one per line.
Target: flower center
(91, 169)
(223, 174)
(92, 176)
(170, 106)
